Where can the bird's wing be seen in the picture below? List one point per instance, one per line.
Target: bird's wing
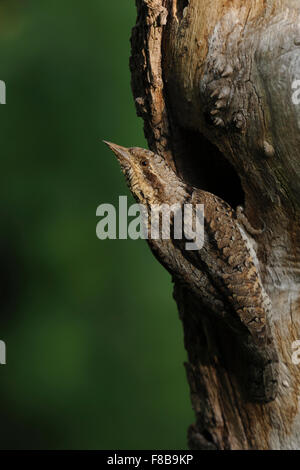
(230, 265)
(228, 261)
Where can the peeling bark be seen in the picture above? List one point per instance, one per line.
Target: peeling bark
(213, 82)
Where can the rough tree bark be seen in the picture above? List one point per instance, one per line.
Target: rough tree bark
(213, 81)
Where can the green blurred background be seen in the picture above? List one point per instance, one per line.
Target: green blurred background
(94, 344)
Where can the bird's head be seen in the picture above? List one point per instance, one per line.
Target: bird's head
(150, 179)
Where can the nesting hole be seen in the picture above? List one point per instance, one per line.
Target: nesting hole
(202, 165)
(181, 5)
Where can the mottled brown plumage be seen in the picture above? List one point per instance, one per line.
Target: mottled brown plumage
(224, 274)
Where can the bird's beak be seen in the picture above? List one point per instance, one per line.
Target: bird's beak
(122, 153)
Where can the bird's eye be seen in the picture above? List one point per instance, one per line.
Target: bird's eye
(144, 163)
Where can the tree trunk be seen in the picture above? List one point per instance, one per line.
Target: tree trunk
(215, 84)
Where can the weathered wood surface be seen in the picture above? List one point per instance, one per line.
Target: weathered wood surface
(213, 82)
